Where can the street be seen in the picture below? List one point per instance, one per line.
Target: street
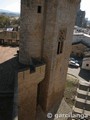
(81, 74)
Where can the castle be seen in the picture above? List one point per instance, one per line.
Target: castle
(45, 45)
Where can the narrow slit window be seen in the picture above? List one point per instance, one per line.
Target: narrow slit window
(28, 3)
(39, 10)
(61, 47)
(58, 49)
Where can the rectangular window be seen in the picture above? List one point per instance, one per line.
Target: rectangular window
(39, 10)
(28, 3)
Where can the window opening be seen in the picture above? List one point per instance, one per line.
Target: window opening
(62, 37)
(39, 10)
(87, 65)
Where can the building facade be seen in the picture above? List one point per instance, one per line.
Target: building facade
(80, 19)
(80, 43)
(86, 60)
(45, 35)
(82, 101)
(9, 37)
(86, 63)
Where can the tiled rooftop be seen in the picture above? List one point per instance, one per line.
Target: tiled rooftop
(7, 53)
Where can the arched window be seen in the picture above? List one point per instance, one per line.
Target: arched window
(62, 38)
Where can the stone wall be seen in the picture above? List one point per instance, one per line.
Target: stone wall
(27, 88)
(86, 63)
(12, 36)
(59, 15)
(31, 32)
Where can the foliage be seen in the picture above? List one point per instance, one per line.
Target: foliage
(4, 21)
(15, 21)
(7, 21)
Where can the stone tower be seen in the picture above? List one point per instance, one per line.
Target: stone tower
(46, 33)
(32, 29)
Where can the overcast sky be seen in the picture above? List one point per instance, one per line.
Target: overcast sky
(11, 5)
(14, 5)
(85, 5)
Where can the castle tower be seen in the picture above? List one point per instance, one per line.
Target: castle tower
(31, 32)
(60, 20)
(46, 32)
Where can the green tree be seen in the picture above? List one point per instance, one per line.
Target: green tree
(15, 21)
(4, 21)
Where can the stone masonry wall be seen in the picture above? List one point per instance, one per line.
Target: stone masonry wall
(31, 33)
(27, 88)
(60, 15)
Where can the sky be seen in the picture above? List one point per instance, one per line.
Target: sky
(85, 5)
(14, 6)
(11, 5)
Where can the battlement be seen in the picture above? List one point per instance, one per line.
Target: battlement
(28, 79)
(34, 72)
